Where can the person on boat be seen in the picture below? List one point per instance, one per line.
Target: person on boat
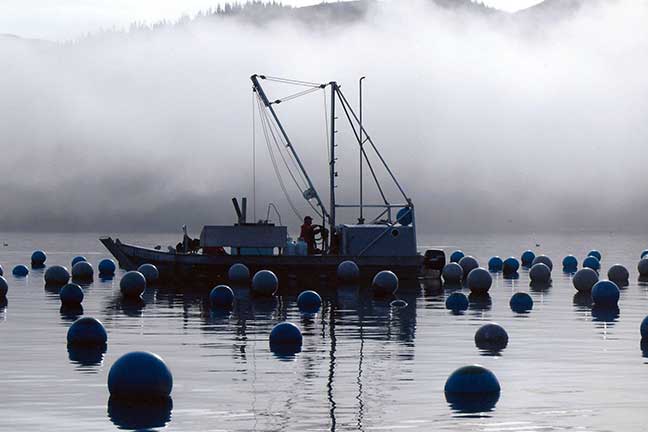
(308, 235)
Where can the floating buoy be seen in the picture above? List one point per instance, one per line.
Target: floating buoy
(644, 253)
(150, 272)
(132, 285)
(618, 274)
(472, 388)
(527, 258)
(495, 264)
(521, 302)
(4, 287)
(348, 271)
(595, 253)
(285, 338)
(140, 376)
(87, 331)
(642, 267)
(309, 301)
(570, 263)
(238, 273)
(38, 259)
(57, 275)
(479, 280)
(605, 293)
(221, 296)
(592, 262)
(540, 273)
(452, 273)
(468, 264)
(510, 266)
(71, 295)
(491, 337)
(20, 270)
(82, 271)
(107, 267)
(77, 259)
(265, 283)
(456, 256)
(644, 328)
(404, 216)
(584, 279)
(543, 259)
(385, 283)
(457, 302)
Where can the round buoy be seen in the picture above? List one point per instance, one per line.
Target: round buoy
(132, 284)
(221, 296)
(605, 293)
(584, 279)
(592, 262)
(644, 253)
(71, 295)
(468, 264)
(570, 263)
(521, 302)
(595, 253)
(38, 259)
(456, 256)
(452, 273)
(57, 275)
(479, 281)
(385, 283)
(285, 338)
(618, 274)
(544, 259)
(20, 270)
(107, 267)
(82, 271)
(87, 331)
(348, 271)
(404, 216)
(4, 287)
(491, 337)
(140, 376)
(238, 273)
(472, 380)
(495, 264)
(150, 272)
(540, 273)
(644, 328)
(265, 283)
(309, 301)
(510, 266)
(527, 258)
(77, 259)
(457, 302)
(642, 267)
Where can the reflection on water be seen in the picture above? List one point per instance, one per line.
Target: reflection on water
(138, 416)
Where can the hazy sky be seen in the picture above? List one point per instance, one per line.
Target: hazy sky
(65, 19)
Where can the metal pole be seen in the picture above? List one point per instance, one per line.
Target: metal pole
(361, 219)
(332, 161)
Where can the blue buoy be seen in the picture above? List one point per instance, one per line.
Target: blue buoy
(592, 262)
(510, 266)
(618, 274)
(495, 264)
(595, 253)
(20, 270)
(132, 285)
(472, 380)
(140, 376)
(57, 275)
(107, 267)
(468, 264)
(265, 283)
(642, 268)
(644, 328)
(456, 256)
(77, 259)
(527, 258)
(479, 280)
(544, 259)
(404, 216)
(221, 296)
(38, 259)
(82, 271)
(540, 273)
(570, 263)
(457, 302)
(644, 253)
(605, 293)
(87, 331)
(4, 287)
(452, 273)
(150, 272)
(238, 273)
(521, 302)
(71, 295)
(348, 271)
(491, 337)
(285, 338)
(385, 283)
(584, 279)
(309, 301)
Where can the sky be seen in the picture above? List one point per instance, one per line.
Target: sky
(67, 19)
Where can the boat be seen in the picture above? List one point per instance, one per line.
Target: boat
(387, 241)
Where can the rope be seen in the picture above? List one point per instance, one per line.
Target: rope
(295, 95)
(253, 158)
(291, 81)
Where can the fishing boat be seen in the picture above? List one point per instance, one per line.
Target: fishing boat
(386, 241)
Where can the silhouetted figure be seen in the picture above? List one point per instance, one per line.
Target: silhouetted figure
(308, 235)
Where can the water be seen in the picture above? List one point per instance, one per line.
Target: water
(364, 365)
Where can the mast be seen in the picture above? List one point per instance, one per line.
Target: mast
(361, 219)
(332, 172)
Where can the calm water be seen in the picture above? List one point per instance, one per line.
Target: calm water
(364, 365)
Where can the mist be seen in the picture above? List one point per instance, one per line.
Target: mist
(491, 124)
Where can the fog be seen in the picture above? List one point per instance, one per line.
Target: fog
(491, 124)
